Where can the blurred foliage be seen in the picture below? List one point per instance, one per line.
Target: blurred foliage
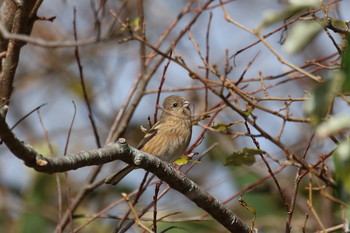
(243, 157)
(110, 68)
(323, 95)
(342, 168)
(39, 215)
(319, 109)
(294, 7)
(301, 34)
(334, 125)
(224, 126)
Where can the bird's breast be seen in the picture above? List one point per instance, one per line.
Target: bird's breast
(171, 141)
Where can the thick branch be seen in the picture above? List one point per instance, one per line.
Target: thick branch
(20, 22)
(7, 12)
(122, 151)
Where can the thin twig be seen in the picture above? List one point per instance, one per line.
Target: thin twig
(160, 88)
(69, 197)
(280, 190)
(81, 75)
(28, 114)
(142, 188)
(295, 189)
(247, 68)
(207, 61)
(51, 44)
(133, 211)
(155, 201)
(310, 206)
(24, 117)
(262, 39)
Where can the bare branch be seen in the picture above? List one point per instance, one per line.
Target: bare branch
(120, 150)
(21, 24)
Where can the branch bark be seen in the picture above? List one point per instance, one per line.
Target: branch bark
(120, 150)
(18, 17)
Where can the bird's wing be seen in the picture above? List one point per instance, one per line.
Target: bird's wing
(149, 135)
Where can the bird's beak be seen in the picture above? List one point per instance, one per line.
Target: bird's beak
(186, 104)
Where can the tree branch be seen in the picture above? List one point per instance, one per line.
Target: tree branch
(19, 22)
(122, 151)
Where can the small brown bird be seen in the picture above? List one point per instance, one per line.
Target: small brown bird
(168, 138)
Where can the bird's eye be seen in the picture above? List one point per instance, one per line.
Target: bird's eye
(174, 105)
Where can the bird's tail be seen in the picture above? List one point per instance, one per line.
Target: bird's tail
(118, 176)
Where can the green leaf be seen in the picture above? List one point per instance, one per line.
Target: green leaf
(304, 3)
(322, 96)
(245, 156)
(347, 212)
(224, 126)
(345, 66)
(339, 24)
(136, 24)
(342, 168)
(295, 6)
(333, 125)
(248, 111)
(301, 34)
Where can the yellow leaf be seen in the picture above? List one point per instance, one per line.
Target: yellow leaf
(194, 122)
(248, 111)
(184, 160)
(245, 205)
(136, 24)
(249, 208)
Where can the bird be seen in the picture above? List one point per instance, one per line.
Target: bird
(168, 138)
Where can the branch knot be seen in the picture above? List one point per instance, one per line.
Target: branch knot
(138, 159)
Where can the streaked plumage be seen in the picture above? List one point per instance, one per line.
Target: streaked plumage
(168, 138)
